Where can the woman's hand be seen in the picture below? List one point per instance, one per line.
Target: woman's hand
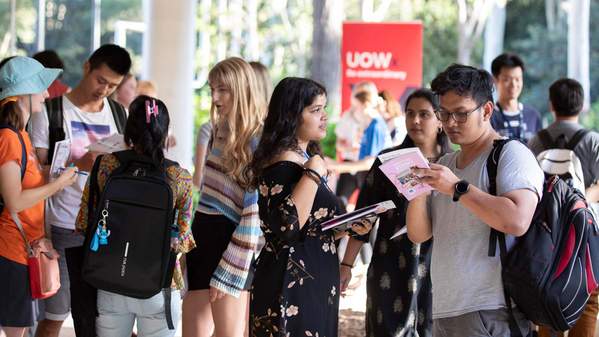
(362, 227)
(317, 164)
(67, 177)
(344, 278)
(215, 294)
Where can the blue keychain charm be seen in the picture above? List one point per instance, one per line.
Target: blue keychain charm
(104, 234)
(101, 235)
(95, 242)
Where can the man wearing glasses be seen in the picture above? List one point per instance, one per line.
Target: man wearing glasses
(468, 297)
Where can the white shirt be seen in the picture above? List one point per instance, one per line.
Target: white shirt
(83, 129)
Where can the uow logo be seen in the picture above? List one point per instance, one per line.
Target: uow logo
(378, 60)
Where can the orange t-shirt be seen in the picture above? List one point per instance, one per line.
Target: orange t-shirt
(12, 245)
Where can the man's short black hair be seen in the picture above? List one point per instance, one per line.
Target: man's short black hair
(567, 97)
(115, 57)
(49, 59)
(465, 81)
(506, 60)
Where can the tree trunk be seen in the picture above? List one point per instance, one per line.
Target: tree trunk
(372, 14)
(550, 14)
(204, 45)
(252, 50)
(326, 44)
(471, 23)
(578, 45)
(235, 13)
(494, 34)
(221, 44)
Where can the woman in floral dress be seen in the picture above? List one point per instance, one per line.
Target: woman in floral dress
(296, 283)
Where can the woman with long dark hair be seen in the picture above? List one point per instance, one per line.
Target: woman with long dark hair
(145, 134)
(296, 284)
(398, 283)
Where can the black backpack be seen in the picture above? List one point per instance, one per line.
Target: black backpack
(23, 157)
(54, 109)
(550, 271)
(136, 209)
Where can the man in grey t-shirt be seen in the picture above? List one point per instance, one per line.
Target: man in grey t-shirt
(566, 97)
(468, 295)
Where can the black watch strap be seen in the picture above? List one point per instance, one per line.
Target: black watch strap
(459, 189)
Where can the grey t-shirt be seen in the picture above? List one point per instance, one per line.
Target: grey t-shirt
(587, 149)
(464, 277)
(204, 134)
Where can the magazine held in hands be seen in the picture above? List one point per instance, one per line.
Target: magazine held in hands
(397, 166)
(345, 221)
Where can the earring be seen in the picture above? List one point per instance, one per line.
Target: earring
(439, 130)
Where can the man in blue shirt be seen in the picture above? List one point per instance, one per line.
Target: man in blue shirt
(511, 118)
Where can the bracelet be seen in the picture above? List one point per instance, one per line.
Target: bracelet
(313, 175)
(347, 265)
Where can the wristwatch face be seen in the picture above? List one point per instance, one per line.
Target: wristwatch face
(461, 187)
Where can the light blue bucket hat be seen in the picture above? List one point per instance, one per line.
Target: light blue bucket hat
(25, 76)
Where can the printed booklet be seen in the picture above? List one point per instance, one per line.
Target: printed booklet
(343, 222)
(397, 166)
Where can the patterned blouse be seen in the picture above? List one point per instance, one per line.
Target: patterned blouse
(180, 183)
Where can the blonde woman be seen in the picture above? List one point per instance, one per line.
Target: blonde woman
(226, 224)
(264, 81)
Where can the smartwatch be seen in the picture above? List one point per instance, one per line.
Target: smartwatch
(460, 188)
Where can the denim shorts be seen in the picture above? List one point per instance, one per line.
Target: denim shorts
(118, 313)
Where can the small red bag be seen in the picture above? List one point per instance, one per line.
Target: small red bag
(42, 262)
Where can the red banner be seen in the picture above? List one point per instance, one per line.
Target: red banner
(388, 54)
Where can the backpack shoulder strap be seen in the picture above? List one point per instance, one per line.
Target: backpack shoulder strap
(54, 109)
(94, 192)
(545, 139)
(496, 236)
(119, 114)
(492, 165)
(576, 138)
(23, 148)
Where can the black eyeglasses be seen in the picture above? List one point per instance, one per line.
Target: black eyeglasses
(460, 117)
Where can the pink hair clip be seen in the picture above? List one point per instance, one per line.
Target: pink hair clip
(151, 110)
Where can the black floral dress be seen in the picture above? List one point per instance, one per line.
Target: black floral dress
(398, 285)
(296, 284)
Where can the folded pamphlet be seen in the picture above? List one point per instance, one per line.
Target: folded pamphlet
(344, 222)
(401, 231)
(397, 166)
(110, 144)
(60, 157)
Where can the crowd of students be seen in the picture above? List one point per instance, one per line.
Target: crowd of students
(253, 260)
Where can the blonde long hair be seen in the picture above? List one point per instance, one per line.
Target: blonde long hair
(245, 118)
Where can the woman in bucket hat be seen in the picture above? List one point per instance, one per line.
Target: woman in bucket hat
(23, 88)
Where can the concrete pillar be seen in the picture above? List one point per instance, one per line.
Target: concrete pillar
(579, 46)
(168, 54)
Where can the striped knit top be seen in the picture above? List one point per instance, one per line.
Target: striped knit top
(220, 195)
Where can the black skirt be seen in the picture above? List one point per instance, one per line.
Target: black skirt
(15, 307)
(212, 234)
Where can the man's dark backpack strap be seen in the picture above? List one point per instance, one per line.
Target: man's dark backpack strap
(94, 192)
(496, 236)
(55, 124)
(546, 139)
(576, 138)
(119, 114)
